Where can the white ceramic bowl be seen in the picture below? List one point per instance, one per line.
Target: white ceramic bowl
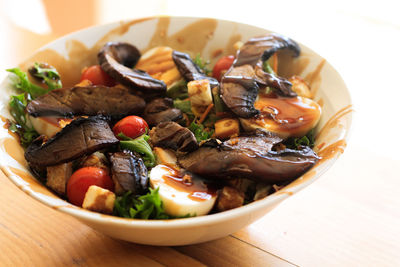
(210, 37)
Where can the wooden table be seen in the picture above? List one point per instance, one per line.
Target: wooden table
(349, 217)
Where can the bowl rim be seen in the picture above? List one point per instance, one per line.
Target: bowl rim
(87, 215)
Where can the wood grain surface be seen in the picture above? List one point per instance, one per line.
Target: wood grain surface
(32, 234)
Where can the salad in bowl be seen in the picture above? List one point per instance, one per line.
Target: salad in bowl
(165, 133)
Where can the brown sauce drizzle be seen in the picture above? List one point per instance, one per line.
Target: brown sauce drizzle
(192, 39)
(56, 121)
(314, 78)
(197, 189)
(217, 52)
(289, 66)
(13, 148)
(326, 152)
(229, 48)
(334, 121)
(321, 102)
(331, 150)
(33, 183)
(286, 114)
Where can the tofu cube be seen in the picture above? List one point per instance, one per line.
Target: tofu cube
(229, 198)
(99, 199)
(300, 87)
(227, 128)
(165, 156)
(58, 176)
(200, 95)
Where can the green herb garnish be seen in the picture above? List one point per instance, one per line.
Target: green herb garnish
(267, 67)
(17, 104)
(178, 90)
(306, 140)
(218, 103)
(199, 132)
(139, 145)
(147, 207)
(20, 81)
(47, 74)
(202, 64)
(183, 105)
(21, 126)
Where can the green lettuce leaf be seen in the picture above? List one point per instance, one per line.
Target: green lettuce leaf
(147, 207)
(184, 106)
(199, 132)
(178, 90)
(21, 126)
(20, 81)
(306, 140)
(203, 64)
(47, 74)
(141, 146)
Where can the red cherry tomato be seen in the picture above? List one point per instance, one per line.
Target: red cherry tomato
(97, 76)
(82, 179)
(223, 64)
(131, 126)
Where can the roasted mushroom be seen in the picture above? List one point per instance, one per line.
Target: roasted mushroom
(281, 85)
(241, 83)
(116, 102)
(82, 136)
(117, 59)
(263, 47)
(129, 172)
(161, 110)
(249, 157)
(189, 70)
(172, 135)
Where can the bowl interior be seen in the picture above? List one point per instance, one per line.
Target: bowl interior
(211, 38)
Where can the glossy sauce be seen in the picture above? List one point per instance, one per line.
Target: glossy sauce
(334, 122)
(58, 122)
(196, 188)
(314, 77)
(332, 150)
(12, 147)
(326, 152)
(33, 183)
(229, 48)
(292, 115)
(191, 39)
(80, 56)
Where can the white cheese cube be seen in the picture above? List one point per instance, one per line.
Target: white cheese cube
(200, 95)
(99, 199)
(165, 156)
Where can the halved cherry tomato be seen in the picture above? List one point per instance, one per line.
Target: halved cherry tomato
(97, 76)
(222, 65)
(82, 179)
(131, 126)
